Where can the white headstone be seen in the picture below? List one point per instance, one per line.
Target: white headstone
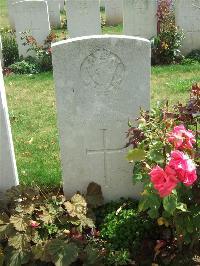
(54, 13)
(62, 4)
(31, 16)
(101, 82)
(114, 12)
(8, 169)
(102, 3)
(1, 53)
(187, 14)
(11, 12)
(83, 17)
(139, 18)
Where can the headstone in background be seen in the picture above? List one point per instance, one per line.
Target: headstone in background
(8, 169)
(62, 4)
(139, 18)
(31, 17)
(187, 14)
(101, 82)
(54, 13)
(102, 3)
(1, 53)
(114, 12)
(83, 18)
(11, 12)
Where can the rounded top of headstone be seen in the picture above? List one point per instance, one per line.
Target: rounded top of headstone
(30, 2)
(106, 36)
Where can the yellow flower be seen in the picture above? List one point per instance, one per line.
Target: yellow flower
(165, 45)
(145, 192)
(162, 221)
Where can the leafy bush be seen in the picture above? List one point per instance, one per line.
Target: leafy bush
(24, 67)
(42, 53)
(41, 229)
(166, 45)
(166, 152)
(194, 55)
(10, 48)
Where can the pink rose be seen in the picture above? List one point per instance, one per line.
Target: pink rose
(164, 181)
(181, 138)
(184, 167)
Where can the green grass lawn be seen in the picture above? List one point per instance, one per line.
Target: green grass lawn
(3, 14)
(31, 101)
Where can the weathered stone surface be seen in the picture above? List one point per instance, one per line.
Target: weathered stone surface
(54, 13)
(187, 14)
(8, 169)
(83, 17)
(114, 12)
(101, 82)
(33, 17)
(139, 18)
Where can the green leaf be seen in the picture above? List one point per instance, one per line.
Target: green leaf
(156, 156)
(86, 222)
(20, 222)
(16, 257)
(63, 253)
(136, 155)
(189, 224)
(46, 216)
(153, 213)
(170, 203)
(93, 257)
(39, 253)
(181, 206)
(150, 201)
(77, 206)
(19, 241)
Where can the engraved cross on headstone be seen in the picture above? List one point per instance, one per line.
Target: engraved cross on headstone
(104, 151)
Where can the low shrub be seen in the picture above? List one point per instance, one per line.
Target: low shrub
(194, 55)
(24, 67)
(10, 48)
(165, 149)
(41, 53)
(46, 229)
(125, 231)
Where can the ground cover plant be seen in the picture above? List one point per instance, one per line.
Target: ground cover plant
(45, 229)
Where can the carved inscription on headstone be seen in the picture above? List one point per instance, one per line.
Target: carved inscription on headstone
(102, 69)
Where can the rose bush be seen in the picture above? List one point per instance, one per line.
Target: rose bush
(165, 153)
